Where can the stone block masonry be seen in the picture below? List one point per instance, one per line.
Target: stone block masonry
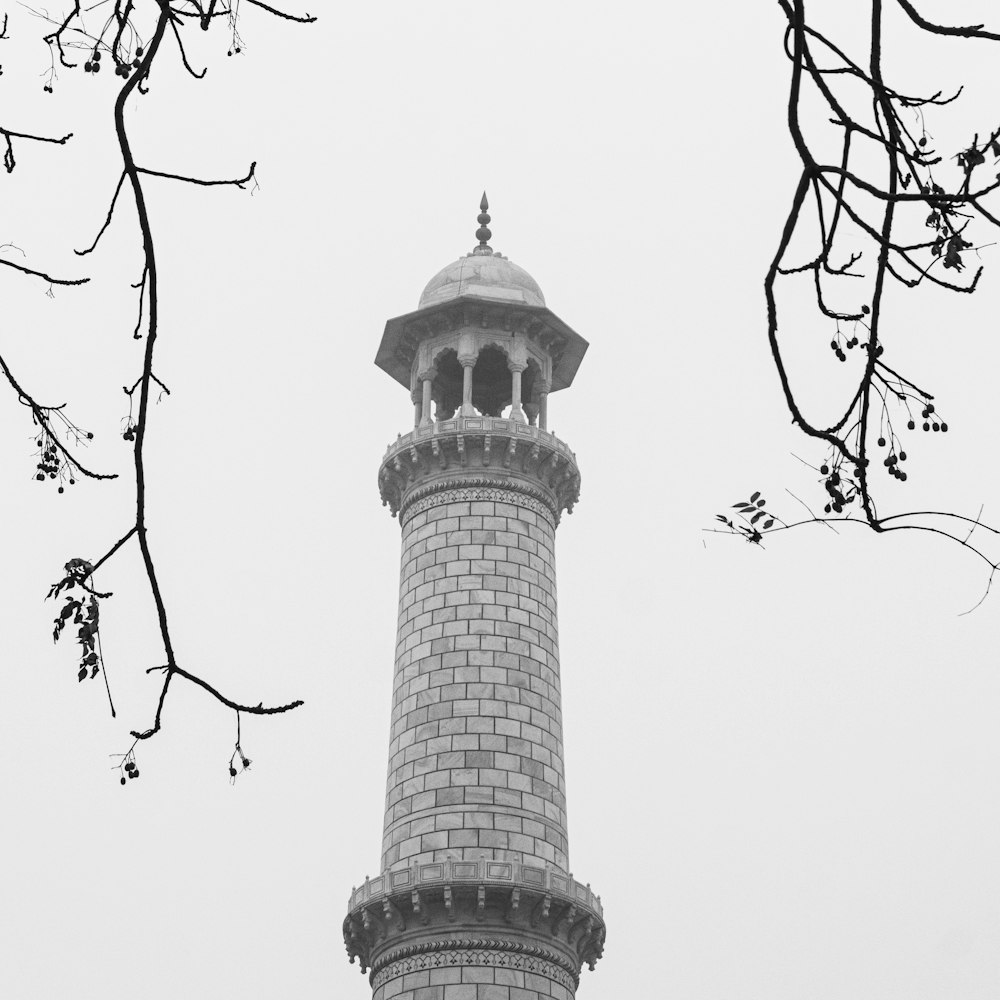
(476, 753)
(470, 983)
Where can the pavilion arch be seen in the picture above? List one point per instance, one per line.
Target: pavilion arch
(491, 381)
(447, 390)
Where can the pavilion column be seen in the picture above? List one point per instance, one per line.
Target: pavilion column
(516, 411)
(543, 405)
(468, 362)
(416, 394)
(427, 378)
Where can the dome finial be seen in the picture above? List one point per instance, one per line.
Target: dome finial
(482, 233)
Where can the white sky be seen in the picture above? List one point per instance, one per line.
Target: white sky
(781, 764)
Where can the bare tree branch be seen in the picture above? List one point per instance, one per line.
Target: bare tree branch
(302, 19)
(883, 397)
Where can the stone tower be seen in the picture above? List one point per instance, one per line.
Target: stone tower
(475, 899)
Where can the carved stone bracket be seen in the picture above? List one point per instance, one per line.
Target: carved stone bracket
(393, 915)
(541, 909)
(515, 902)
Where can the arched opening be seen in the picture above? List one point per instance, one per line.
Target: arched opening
(447, 390)
(491, 382)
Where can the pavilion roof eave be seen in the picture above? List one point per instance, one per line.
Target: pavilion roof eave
(403, 334)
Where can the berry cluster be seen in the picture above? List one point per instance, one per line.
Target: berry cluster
(129, 433)
(236, 42)
(838, 351)
(244, 763)
(128, 767)
(929, 424)
(836, 487)
(853, 341)
(53, 461)
(123, 67)
(892, 460)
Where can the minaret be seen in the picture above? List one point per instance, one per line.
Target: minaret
(475, 899)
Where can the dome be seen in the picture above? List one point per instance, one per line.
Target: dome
(485, 276)
(482, 279)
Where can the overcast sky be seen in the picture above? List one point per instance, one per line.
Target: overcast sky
(781, 765)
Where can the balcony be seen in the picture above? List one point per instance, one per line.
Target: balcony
(463, 452)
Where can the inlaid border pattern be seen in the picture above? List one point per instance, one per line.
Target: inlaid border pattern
(446, 492)
(457, 954)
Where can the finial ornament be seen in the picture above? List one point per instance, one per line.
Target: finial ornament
(482, 233)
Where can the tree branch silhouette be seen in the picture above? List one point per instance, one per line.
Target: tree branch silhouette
(915, 179)
(120, 42)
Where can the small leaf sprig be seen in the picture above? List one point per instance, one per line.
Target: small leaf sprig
(752, 511)
(84, 611)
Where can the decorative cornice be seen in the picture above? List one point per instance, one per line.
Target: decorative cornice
(480, 452)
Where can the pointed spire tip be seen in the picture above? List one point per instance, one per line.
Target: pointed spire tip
(483, 234)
